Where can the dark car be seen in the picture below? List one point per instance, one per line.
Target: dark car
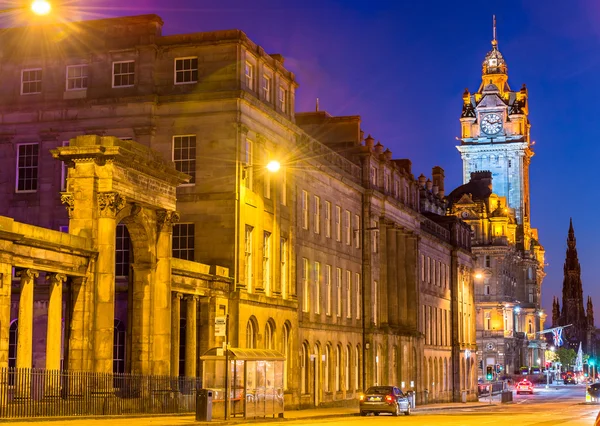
(384, 399)
(570, 380)
(594, 390)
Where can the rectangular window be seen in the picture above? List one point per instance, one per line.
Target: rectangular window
(266, 88)
(123, 74)
(283, 254)
(282, 99)
(358, 295)
(338, 284)
(183, 241)
(327, 219)
(304, 209)
(283, 188)
(63, 172)
(348, 228)
(186, 70)
(422, 267)
(488, 261)
(305, 286)
(348, 294)
(77, 77)
(356, 231)
(122, 244)
(373, 175)
(375, 303)
(396, 189)
(428, 270)
(328, 290)
(248, 245)
(184, 155)
(31, 81)
(317, 287)
(375, 233)
(487, 320)
(27, 167)
(338, 223)
(248, 163)
(249, 72)
(267, 263)
(317, 218)
(486, 290)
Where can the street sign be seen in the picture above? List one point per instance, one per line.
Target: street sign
(220, 326)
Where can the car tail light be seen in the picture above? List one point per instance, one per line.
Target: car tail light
(389, 398)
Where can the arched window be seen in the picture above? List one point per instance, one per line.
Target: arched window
(250, 335)
(326, 370)
(529, 327)
(286, 353)
(304, 369)
(119, 347)
(357, 367)
(269, 336)
(338, 368)
(347, 367)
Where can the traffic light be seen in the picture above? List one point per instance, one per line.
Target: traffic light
(490, 372)
(498, 368)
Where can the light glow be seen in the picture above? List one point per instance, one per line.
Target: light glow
(41, 7)
(273, 166)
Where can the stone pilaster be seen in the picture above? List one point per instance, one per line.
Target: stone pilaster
(54, 330)
(80, 356)
(109, 204)
(25, 329)
(175, 332)
(190, 336)
(402, 278)
(5, 290)
(393, 283)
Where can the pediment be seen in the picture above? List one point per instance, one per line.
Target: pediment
(465, 199)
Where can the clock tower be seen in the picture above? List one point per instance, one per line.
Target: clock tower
(495, 134)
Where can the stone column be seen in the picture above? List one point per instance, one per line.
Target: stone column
(175, 332)
(141, 318)
(412, 286)
(54, 330)
(5, 289)
(161, 295)
(190, 336)
(25, 328)
(109, 204)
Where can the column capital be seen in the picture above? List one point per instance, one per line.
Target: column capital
(28, 274)
(176, 295)
(165, 219)
(241, 128)
(68, 200)
(55, 277)
(110, 203)
(191, 298)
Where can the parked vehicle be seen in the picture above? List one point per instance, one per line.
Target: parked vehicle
(570, 380)
(384, 399)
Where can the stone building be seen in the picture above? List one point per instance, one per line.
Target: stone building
(580, 320)
(496, 150)
(342, 261)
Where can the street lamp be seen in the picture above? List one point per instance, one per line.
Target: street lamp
(41, 7)
(273, 166)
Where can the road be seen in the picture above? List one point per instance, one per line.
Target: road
(556, 406)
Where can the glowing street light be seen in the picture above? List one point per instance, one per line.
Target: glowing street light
(478, 275)
(41, 7)
(273, 166)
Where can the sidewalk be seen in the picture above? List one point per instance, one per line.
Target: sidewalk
(189, 420)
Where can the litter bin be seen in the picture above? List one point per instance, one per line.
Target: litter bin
(507, 396)
(204, 405)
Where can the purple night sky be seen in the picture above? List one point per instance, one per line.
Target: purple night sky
(403, 66)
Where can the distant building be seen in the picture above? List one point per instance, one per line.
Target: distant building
(496, 151)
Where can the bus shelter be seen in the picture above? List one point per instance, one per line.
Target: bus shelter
(255, 379)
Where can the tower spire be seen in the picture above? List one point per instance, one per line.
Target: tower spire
(494, 41)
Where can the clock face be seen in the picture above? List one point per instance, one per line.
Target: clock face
(491, 124)
(465, 214)
(489, 346)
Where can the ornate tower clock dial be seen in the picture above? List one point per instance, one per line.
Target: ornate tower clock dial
(491, 124)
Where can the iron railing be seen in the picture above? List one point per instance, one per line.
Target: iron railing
(26, 393)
